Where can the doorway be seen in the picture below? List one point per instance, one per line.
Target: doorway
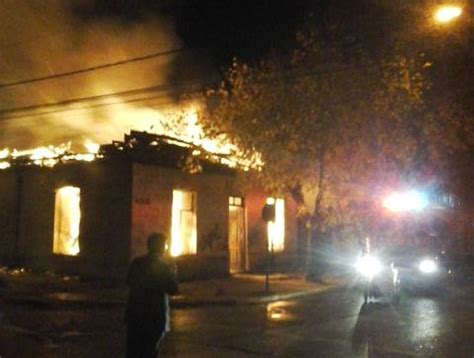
(238, 249)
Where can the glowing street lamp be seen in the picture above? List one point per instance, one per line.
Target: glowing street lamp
(447, 13)
(407, 201)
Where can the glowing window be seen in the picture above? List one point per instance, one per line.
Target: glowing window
(183, 223)
(276, 230)
(67, 218)
(236, 201)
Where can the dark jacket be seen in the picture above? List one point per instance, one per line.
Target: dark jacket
(150, 279)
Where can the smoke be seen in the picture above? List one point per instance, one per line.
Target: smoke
(43, 38)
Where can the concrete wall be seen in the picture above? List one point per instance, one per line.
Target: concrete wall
(105, 217)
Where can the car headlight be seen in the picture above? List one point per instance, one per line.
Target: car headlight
(368, 266)
(427, 266)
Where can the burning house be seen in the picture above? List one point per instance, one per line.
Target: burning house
(90, 214)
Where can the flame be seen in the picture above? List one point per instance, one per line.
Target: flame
(180, 123)
(49, 156)
(234, 157)
(101, 105)
(4, 153)
(92, 147)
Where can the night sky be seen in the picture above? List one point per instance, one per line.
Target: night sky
(247, 29)
(215, 31)
(243, 28)
(218, 30)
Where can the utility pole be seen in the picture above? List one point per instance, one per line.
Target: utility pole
(19, 196)
(267, 265)
(268, 215)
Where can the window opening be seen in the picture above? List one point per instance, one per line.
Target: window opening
(67, 218)
(236, 201)
(276, 229)
(183, 223)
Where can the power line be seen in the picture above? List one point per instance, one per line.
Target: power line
(159, 88)
(9, 114)
(62, 110)
(90, 69)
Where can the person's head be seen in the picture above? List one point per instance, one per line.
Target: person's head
(156, 244)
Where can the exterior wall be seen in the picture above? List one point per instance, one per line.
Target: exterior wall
(151, 212)
(257, 234)
(8, 214)
(121, 204)
(105, 217)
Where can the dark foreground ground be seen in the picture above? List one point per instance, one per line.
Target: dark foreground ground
(330, 324)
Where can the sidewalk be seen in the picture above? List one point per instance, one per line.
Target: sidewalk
(56, 291)
(249, 289)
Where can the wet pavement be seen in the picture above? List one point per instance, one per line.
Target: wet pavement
(327, 324)
(52, 291)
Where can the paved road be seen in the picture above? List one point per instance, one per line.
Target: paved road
(333, 324)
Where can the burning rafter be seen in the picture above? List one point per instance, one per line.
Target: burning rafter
(45, 156)
(143, 140)
(136, 141)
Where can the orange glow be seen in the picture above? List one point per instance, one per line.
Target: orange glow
(191, 131)
(4, 153)
(67, 218)
(278, 311)
(51, 155)
(92, 147)
(447, 13)
(270, 201)
(182, 124)
(183, 224)
(276, 230)
(177, 122)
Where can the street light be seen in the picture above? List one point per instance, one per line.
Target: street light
(447, 13)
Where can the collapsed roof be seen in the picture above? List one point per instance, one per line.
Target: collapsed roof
(137, 146)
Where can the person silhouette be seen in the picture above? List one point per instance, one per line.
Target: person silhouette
(150, 280)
